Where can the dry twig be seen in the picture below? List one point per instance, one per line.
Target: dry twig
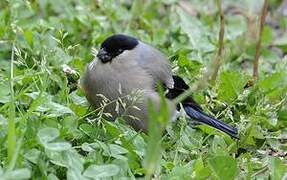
(219, 54)
(258, 44)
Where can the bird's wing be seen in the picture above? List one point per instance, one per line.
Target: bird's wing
(154, 62)
(179, 87)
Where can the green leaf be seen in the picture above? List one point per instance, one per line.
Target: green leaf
(180, 172)
(277, 168)
(58, 146)
(29, 37)
(223, 167)
(201, 172)
(4, 92)
(101, 171)
(3, 120)
(32, 155)
(52, 177)
(210, 130)
(116, 149)
(87, 147)
(195, 30)
(75, 174)
(272, 82)
(57, 110)
(48, 134)
(281, 42)
(252, 132)
(68, 159)
(267, 35)
(269, 56)
(230, 86)
(90, 130)
(236, 27)
(158, 120)
(24, 173)
(282, 115)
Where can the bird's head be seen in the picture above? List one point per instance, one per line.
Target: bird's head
(115, 45)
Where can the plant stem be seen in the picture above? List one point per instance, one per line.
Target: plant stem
(220, 43)
(11, 120)
(258, 44)
(12, 163)
(261, 171)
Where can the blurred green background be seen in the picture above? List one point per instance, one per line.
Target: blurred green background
(50, 135)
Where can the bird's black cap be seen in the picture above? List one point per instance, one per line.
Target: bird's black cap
(115, 45)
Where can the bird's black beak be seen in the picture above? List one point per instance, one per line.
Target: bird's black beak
(104, 56)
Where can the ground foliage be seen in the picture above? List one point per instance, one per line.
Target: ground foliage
(55, 139)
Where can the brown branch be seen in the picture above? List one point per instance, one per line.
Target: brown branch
(258, 44)
(219, 54)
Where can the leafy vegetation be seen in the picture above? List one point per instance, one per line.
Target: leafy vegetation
(46, 131)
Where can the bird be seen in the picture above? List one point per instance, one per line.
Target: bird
(124, 65)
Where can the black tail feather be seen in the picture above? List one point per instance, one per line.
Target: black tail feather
(204, 118)
(194, 111)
